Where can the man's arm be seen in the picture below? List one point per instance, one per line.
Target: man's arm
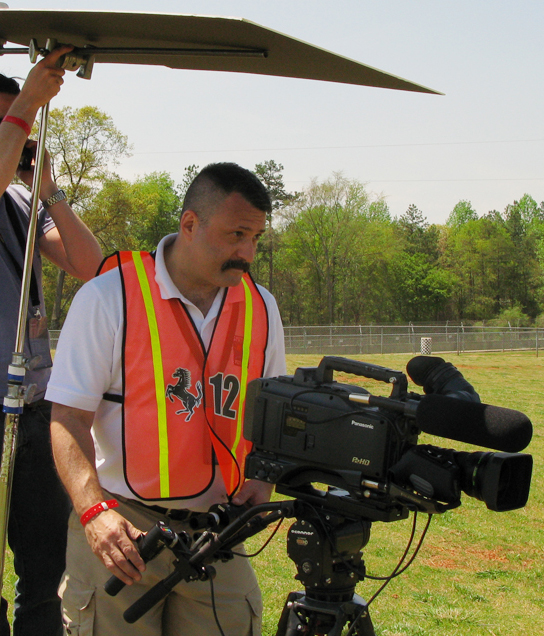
(109, 534)
(70, 245)
(42, 84)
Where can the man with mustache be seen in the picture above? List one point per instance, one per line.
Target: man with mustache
(148, 413)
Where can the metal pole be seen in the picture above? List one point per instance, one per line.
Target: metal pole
(14, 401)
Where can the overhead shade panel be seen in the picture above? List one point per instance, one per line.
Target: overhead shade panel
(222, 44)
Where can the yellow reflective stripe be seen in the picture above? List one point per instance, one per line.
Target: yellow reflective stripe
(160, 394)
(248, 326)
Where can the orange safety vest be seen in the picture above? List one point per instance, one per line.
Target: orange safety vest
(183, 407)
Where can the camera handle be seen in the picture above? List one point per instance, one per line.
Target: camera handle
(328, 364)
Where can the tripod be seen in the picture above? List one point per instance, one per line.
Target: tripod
(327, 554)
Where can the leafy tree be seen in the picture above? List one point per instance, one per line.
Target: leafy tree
(422, 290)
(157, 205)
(462, 213)
(322, 235)
(111, 216)
(83, 144)
(511, 317)
(188, 178)
(271, 175)
(368, 293)
(417, 234)
(524, 222)
(482, 255)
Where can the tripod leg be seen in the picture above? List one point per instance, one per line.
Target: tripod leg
(288, 616)
(302, 616)
(364, 626)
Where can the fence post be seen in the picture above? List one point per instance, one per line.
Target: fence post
(537, 342)
(458, 350)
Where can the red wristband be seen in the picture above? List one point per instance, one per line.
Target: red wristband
(18, 122)
(100, 507)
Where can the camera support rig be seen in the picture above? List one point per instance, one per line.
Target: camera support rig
(325, 546)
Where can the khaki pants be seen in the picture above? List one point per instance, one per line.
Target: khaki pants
(186, 611)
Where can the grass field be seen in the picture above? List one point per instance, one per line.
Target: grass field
(479, 573)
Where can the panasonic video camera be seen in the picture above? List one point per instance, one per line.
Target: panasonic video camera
(308, 429)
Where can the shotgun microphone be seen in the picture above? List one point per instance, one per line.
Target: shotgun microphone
(474, 423)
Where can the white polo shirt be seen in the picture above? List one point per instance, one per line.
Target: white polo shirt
(88, 363)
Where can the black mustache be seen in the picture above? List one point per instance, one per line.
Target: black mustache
(243, 265)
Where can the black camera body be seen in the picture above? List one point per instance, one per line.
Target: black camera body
(27, 156)
(309, 429)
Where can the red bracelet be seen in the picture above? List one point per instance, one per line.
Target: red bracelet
(100, 507)
(18, 122)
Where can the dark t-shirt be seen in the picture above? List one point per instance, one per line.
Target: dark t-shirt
(11, 264)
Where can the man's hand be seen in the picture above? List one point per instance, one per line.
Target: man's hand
(253, 492)
(41, 85)
(111, 538)
(44, 80)
(109, 534)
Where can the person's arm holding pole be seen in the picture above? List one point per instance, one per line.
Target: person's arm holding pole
(70, 245)
(42, 84)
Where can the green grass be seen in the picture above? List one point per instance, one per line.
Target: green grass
(479, 573)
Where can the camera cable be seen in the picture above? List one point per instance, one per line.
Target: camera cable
(272, 535)
(214, 608)
(399, 569)
(246, 556)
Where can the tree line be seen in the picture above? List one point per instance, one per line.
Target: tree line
(331, 254)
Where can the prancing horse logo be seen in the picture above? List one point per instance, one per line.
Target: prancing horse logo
(181, 391)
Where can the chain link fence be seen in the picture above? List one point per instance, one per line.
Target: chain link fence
(414, 339)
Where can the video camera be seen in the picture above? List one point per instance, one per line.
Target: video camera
(310, 429)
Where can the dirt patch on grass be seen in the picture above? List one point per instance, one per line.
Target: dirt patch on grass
(469, 559)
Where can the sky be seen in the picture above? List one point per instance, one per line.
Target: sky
(482, 141)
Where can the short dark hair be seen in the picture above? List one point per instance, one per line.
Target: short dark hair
(9, 85)
(216, 181)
